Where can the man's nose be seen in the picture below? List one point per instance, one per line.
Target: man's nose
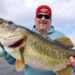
(43, 18)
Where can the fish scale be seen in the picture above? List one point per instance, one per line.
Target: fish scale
(35, 50)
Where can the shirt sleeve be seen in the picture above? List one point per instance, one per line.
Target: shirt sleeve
(8, 57)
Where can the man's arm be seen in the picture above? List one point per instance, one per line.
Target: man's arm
(8, 57)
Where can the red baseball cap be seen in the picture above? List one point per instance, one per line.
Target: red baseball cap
(44, 9)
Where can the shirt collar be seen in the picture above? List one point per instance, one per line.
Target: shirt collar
(51, 30)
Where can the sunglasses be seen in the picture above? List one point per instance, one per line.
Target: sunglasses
(45, 16)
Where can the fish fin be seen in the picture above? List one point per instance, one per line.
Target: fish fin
(19, 65)
(66, 71)
(66, 41)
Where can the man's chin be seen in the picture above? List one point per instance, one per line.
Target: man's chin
(42, 30)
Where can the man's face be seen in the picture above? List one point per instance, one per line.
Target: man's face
(42, 24)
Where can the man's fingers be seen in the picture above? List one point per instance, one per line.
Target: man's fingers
(72, 61)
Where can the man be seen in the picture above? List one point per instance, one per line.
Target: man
(42, 26)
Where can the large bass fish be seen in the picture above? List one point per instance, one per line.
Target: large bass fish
(30, 48)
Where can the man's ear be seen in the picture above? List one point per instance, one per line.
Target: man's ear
(35, 18)
(50, 20)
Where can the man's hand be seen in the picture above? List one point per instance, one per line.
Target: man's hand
(72, 61)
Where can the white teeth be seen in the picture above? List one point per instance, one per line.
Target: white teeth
(43, 22)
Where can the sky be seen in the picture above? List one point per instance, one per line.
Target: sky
(22, 12)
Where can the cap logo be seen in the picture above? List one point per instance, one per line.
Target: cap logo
(44, 9)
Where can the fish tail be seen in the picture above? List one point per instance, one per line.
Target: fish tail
(67, 71)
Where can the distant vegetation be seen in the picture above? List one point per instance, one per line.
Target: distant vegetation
(1, 55)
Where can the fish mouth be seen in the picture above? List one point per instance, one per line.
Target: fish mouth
(17, 43)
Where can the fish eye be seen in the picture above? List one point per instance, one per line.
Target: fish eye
(10, 22)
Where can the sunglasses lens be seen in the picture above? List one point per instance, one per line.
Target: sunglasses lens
(45, 16)
(39, 16)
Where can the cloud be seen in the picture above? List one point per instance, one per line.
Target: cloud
(64, 12)
(23, 12)
(2, 7)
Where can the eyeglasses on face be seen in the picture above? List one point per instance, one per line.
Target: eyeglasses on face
(45, 16)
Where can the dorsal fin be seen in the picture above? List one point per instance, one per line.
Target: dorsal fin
(66, 41)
